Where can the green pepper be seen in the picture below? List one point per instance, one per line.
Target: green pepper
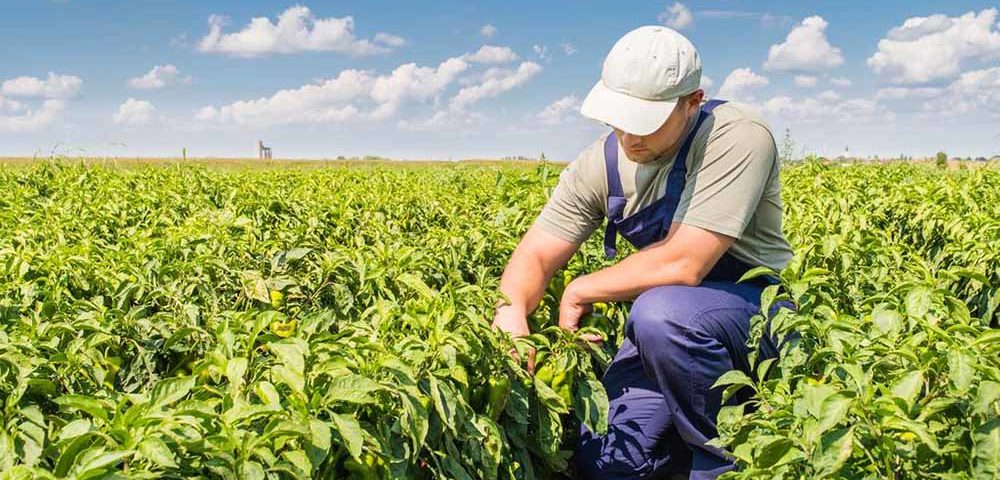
(544, 373)
(497, 399)
(563, 385)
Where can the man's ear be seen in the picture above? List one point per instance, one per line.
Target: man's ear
(694, 100)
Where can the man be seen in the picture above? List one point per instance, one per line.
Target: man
(695, 187)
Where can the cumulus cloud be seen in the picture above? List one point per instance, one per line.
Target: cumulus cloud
(542, 51)
(804, 81)
(492, 54)
(159, 77)
(676, 16)
(390, 40)
(8, 105)
(325, 101)
(410, 81)
(975, 91)
(706, 82)
(55, 86)
(443, 120)
(741, 84)
(805, 49)
(296, 30)
(560, 111)
(827, 106)
(934, 48)
(32, 119)
(842, 82)
(488, 31)
(134, 112)
(568, 48)
(499, 81)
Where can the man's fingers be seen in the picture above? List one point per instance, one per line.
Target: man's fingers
(592, 337)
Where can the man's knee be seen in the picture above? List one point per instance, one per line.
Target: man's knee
(660, 315)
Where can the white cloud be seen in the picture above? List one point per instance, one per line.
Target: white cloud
(390, 40)
(842, 82)
(443, 120)
(542, 51)
(676, 16)
(804, 81)
(488, 31)
(706, 82)
(560, 111)
(410, 81)
(55, 86)
(740, 84)
(325, 101)
(927, 49)
(806, 49)
(903, 93)
(827, 106)
(159, 77)
(492, 54)
(33, 119)
(297, 30)
(8, 105)
(493, 85)
(977, 90)
(134, 112)
(568, 48)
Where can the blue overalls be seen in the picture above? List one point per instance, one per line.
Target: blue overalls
(679, 340)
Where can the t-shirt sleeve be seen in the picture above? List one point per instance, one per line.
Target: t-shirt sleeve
(574, 210)
(725, 188)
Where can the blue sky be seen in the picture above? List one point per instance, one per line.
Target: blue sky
(409, 80)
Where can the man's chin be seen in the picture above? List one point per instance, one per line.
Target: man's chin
(643, 157)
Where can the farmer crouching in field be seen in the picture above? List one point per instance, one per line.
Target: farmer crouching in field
(694, 186)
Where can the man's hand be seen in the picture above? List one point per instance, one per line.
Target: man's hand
(572, 309)
(512, 321)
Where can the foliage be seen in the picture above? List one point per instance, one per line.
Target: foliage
(334, 322)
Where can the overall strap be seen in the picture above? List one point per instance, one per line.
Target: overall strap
(677, 178)
(616, 196)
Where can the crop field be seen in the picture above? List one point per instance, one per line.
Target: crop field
(179, 321)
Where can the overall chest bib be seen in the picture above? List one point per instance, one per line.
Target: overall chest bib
(652, 223)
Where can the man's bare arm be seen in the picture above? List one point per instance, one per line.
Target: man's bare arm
(683, 258)
(536, 258)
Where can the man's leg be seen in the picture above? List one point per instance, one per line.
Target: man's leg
(686, 337)
(641, 443)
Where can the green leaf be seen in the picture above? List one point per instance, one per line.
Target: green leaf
(92, 406)
(733, 377)
(350, 432)
(834, 451)
(833, 411)
(417, 284)
(960, 369)
(919, 301)
(169, 391)
(771, 451)
(351, 389)
(986, 449)
(887, 321)
(989, 392)
(591, 405)
(908, 386)
(156, 451)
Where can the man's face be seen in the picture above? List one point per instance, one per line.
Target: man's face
(665, 140)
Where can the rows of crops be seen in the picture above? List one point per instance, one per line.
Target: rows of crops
(334, 323)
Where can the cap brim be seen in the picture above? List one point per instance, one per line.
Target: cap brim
(630, 114)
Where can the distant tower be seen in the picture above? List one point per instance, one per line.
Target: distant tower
(263, 153)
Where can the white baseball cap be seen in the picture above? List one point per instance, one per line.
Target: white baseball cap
(644, 74)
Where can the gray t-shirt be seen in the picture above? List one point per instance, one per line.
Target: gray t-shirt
(733, 188)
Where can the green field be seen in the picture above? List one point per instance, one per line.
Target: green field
(333, 321)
